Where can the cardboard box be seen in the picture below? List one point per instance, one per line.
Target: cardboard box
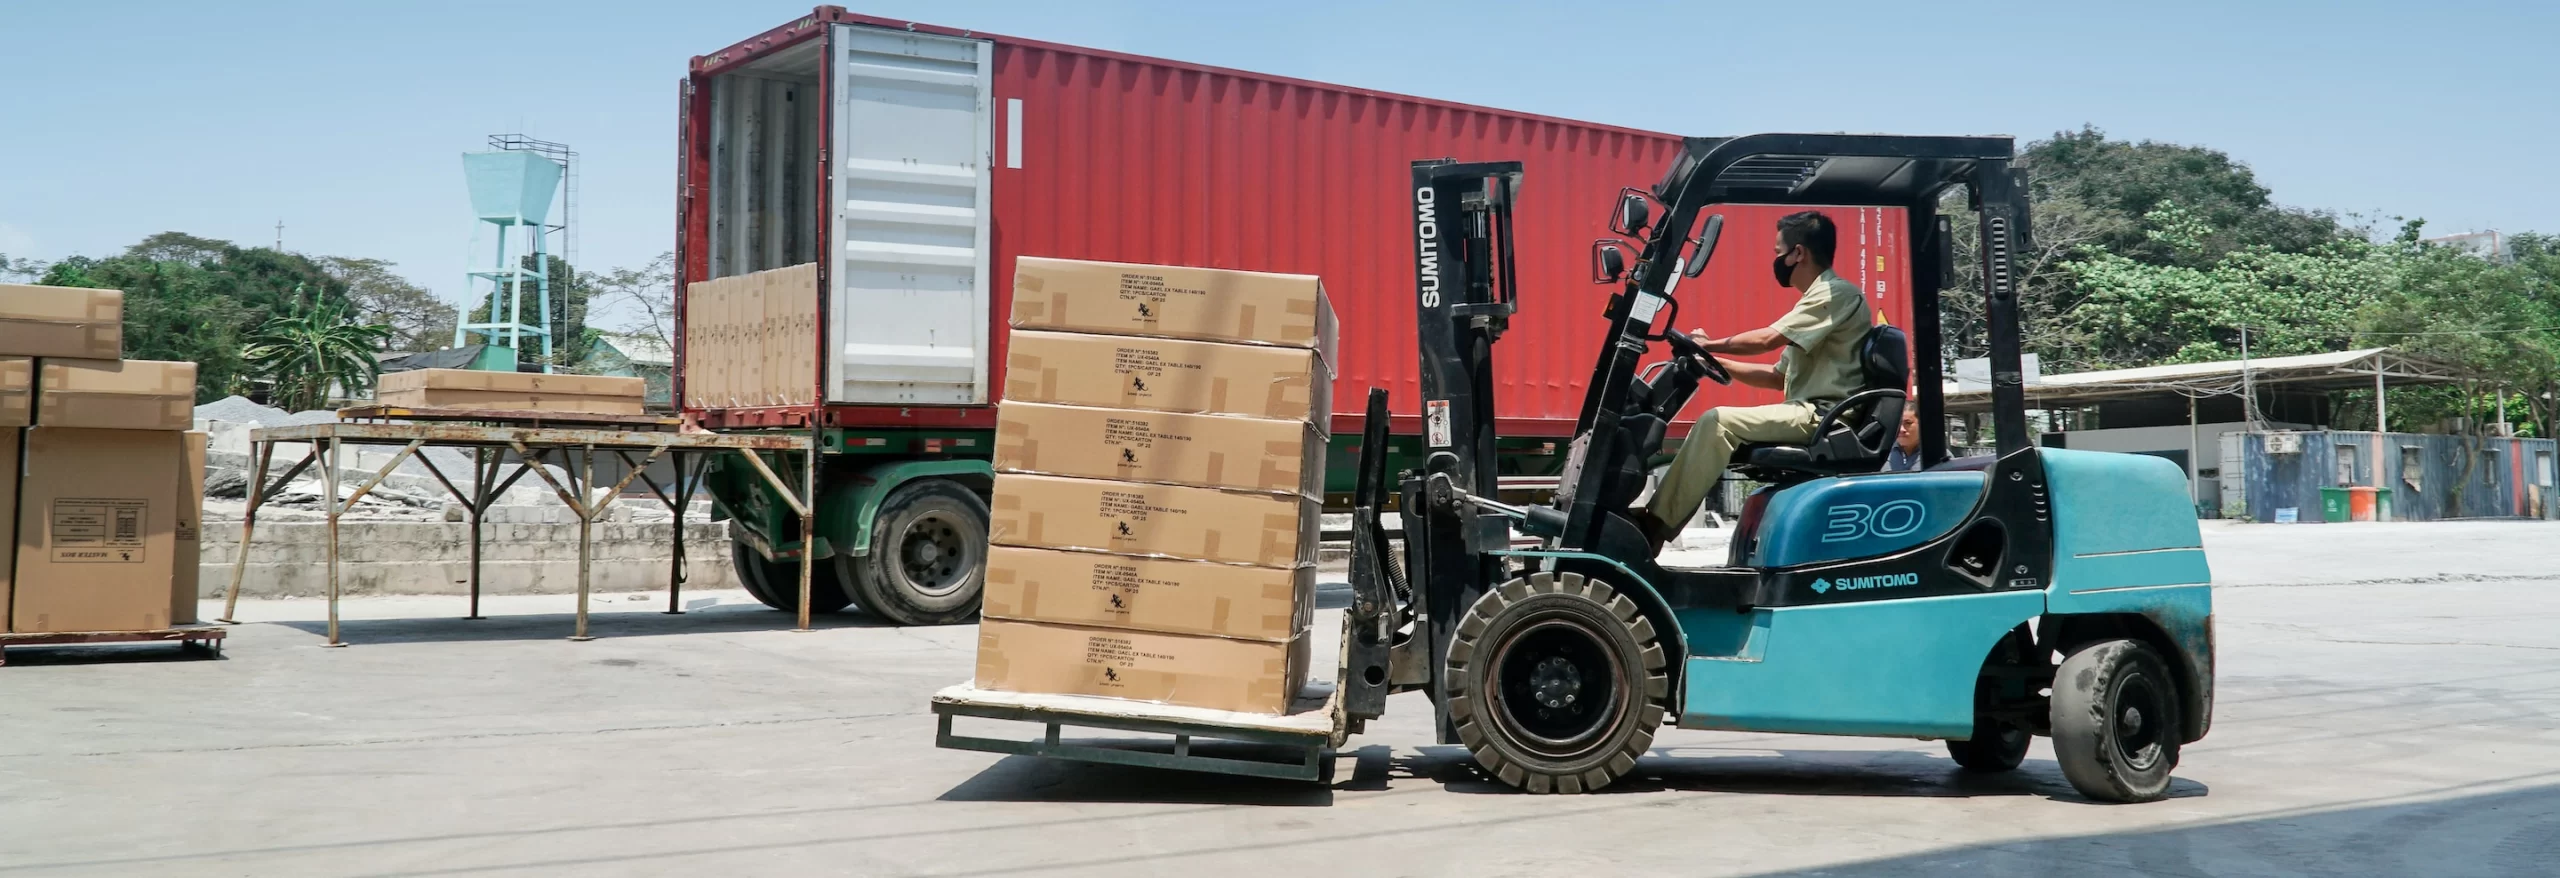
(1251, 676)
(76, 322)
(189, 536)
(1209, 451)
(11, 440)
(17, 391)
(1128, 518)
(116, 394)
(1149, 594)
(512, 391)
(752, 339)
(1209, 304)
(1169, 375)
(96, 530)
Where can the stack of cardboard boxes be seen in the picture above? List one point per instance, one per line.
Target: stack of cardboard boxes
(103, 485)
(512, 391)
(1160, 466)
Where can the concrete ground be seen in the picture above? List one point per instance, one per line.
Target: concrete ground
(2390, 705)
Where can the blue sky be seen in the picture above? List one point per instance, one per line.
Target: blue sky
(344, 120)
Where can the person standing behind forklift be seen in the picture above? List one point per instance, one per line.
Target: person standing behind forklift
(1905, 456)
(1817, 368)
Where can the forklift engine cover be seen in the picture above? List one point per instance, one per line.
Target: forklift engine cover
(1861, 516)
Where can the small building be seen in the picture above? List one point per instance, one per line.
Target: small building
(2187, 412)
(2427, 476)
(635, 355)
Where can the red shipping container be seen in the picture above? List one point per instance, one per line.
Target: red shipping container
(1086, 154)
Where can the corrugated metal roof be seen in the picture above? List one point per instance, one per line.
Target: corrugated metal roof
(2341, 368)
(645, 350)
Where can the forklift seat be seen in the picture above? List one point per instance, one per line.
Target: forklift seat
(1855, 434)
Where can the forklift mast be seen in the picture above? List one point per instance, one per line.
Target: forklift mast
(1465, 295)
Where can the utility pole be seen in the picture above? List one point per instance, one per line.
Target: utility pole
(2248, 384)
(279, 236)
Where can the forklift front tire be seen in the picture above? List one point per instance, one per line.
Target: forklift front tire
(2115, 721)
(1556, 683)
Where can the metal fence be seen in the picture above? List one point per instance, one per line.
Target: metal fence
(2430, 477)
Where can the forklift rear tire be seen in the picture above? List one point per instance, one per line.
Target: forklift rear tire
(1556, 683)
(928, 558)
(776, 584)
(1996, 746)
(2115, 721)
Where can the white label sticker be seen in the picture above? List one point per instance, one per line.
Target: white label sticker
(1647, 305)
(1435, 422)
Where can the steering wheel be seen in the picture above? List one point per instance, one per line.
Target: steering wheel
(1686, 348)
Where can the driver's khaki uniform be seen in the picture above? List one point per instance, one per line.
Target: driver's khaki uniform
(1818, 368)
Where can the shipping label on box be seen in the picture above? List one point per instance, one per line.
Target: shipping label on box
(1169, 375)
(1249, 676)
(96, 530)
(116, 394)
(75, 322)
(1174, 302)
(1131, 518)
(1151, 594)
(1210, 451)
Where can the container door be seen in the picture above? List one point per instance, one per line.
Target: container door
(909, 305)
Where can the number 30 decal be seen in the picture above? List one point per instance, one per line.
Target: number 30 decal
(1850, 521)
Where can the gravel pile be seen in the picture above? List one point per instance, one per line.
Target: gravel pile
(240, 410)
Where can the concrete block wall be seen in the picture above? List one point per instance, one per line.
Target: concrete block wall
(289, 558)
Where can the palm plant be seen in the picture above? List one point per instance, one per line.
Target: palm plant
(318, 346)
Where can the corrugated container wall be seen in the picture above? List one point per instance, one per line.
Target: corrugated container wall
(1097, 155)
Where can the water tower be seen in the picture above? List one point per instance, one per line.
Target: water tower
(511, 193)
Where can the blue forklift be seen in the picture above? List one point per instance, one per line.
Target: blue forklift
(1979, 601)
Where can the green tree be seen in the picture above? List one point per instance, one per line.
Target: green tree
(648, 290)
(20, 268)
(2122, 182)
(571, 337)
(419, 321)
(316, 348)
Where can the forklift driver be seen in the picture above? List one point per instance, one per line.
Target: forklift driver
(1817, 367)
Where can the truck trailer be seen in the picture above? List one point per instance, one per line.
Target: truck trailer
(876, 179)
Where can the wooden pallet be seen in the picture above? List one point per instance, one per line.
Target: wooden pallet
(508, 417)
(188, 637)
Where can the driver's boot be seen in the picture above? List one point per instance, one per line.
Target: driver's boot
(1655, 532)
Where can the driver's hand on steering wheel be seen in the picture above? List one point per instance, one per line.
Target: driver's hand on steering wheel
(1700, 337)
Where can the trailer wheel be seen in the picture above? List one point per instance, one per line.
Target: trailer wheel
(776, 584)
(928, 558)
(1556, 683)
(2115, 721)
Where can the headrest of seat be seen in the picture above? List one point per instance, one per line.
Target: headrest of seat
(1885, 356)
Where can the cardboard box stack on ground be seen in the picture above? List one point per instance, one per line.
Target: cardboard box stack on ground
(512, 391)
(1160, 459)
(102, 482)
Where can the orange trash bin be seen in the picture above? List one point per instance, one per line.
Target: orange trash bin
(2360, 503)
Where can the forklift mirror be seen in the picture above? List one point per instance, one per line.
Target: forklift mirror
(1704, 248)
(1608, 262)
(1633, 213)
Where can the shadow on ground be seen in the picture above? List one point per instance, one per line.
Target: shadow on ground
(2497, 834)
(553, 626)
(108, 654)
(1861, 774)
(1041, 779)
